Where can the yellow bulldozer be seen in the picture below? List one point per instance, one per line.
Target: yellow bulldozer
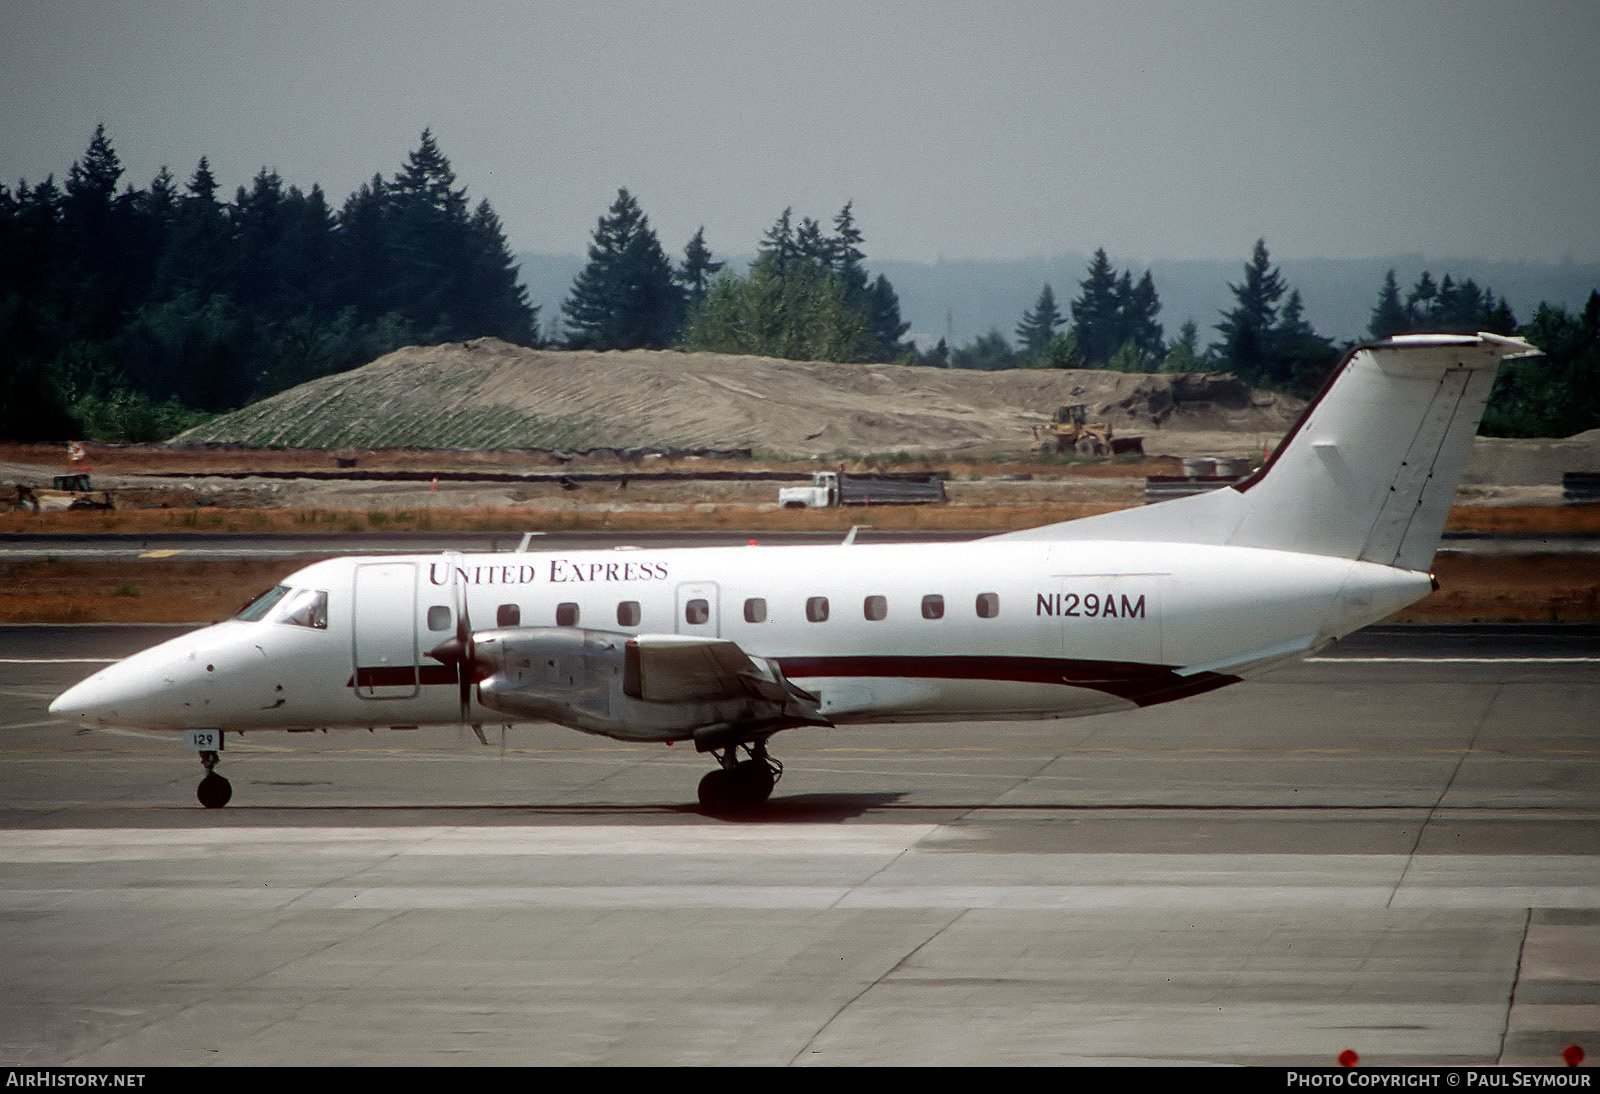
(1070, 432)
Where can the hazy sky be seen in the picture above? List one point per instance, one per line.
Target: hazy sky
(1341, 128)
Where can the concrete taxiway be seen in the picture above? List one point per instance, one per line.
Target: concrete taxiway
(1394, 848)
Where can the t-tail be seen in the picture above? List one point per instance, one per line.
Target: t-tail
(1368, 472)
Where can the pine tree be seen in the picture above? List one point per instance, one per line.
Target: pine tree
(811, 246)
(196, 253)
(92, 181)
(493, 299)
(778, 245)
(429, 239)
(98, 269)
(366, 259)
(1095, 322)
(846, 255)
(419, 265)
(1138, 307)
(203, 184)
(1388, 314)
(626, 297)
(1184, 356)
(1039, 324)
(1301, 358)
(1422, 302)
(883, 319)
(1246, 328)
(257, 226)
(697, 268)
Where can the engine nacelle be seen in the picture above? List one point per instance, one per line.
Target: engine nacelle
(633, 687)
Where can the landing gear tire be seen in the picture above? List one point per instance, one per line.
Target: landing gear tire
(740, 785)
(214, 791)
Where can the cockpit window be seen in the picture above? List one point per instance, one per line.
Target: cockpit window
(289, 606)
(303, 608)
(262, 604)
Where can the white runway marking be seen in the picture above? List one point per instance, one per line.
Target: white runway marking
(124, 844)
(773, 866)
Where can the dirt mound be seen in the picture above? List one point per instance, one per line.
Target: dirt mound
(487, 393)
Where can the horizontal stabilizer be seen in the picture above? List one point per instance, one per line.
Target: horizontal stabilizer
(1248, 664)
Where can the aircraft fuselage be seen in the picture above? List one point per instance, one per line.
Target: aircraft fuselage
(986, 629)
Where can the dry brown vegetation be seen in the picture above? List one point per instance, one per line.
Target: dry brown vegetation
(1512, 589)
(142, 591)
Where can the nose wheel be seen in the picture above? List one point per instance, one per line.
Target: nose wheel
(214, 791)
(740, 785)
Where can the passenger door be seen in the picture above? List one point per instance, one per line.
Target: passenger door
(386, 630)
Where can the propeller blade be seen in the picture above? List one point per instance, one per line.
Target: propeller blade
(467, 667)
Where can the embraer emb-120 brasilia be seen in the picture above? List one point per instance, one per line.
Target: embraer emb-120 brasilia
(726, 646)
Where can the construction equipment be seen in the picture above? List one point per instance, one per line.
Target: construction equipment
(67, 492)
(1070, 432)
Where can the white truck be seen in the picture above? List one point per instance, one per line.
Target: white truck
(830, 489)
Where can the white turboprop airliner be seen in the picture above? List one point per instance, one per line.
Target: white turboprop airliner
(725, 646)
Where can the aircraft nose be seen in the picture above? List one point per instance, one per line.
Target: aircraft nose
(112, 696)
(82, 702)
(149, 689)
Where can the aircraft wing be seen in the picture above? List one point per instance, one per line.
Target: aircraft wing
(634, 687)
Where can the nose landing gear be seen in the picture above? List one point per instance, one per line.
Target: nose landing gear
(214, 791)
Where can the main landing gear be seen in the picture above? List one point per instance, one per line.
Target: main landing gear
(214, 790)
(738, 784)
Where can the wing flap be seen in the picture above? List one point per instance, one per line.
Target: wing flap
(681, 668)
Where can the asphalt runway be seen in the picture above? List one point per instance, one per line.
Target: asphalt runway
(1394, 848)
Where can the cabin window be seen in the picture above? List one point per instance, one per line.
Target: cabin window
(875, 607)
(755, 610)
(567, 614)
(696, 612)
(508, 615)
(988, 605)
(933, 606)
(628, 613)
(817, 609)
(438, 618)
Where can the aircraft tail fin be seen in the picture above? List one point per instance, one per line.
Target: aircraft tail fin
(1368, 472)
